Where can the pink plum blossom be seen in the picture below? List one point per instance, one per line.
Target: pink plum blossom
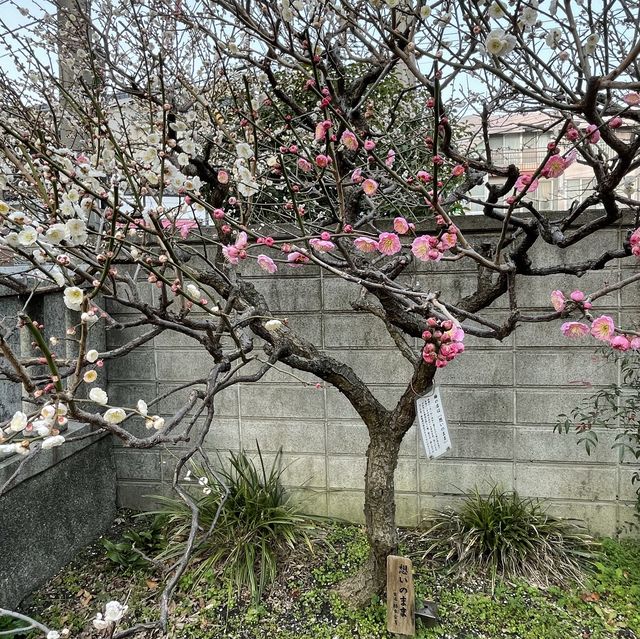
(304, 165)
(592, 133)
(391, 158)
(369, 186)
(620, 343)
(525, 183)
(267, 264)
(603, 328)
(322, 246)
(322, 160)
(349, 139)
(635, 343)
(369, 145)
(366, 244)
(558, 300)
(577, 296)
(295, 258)
(356, 176)
(389, 243)
(574, 329)
(400, 225)
(458, 170)
(632, 99)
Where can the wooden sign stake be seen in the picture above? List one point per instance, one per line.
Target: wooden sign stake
(401, 597)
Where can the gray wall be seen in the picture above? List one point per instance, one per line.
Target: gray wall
(502, 400)
(64, 498)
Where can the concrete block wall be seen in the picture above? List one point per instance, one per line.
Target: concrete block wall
(501, 400)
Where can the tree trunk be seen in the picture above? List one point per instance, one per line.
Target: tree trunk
(380, 515)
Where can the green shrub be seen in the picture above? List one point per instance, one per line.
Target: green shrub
(148, 541)
(257, 523)
(506, 536)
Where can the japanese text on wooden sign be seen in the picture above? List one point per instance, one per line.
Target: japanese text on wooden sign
(433, 425)
(401, 599)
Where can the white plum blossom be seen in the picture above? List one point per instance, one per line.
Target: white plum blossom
(591, 44)
(98, 396)
(113, 612)
(53, 634)
(244, 151)
(73, 297)
(142, 407)
(499, 43)
(193, 291)
(92, 355)
(18, 422)
(28, 236)
(56, 233)
(496, 11)
(553, 37)
(52, 442)
(529, 16)
(115, 415)
(273, 326)
(154, 421)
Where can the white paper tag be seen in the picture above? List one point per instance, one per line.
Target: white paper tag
(433, 424)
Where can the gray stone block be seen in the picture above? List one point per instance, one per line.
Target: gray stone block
(475, 405)
(355, 331)
(566, 368)
(444, 476)
(542, 444)
(597, 483)
(478, 368)
(292, 436)
(262, 400)
(290, 294)
(347, 505)
(76, 502)
(138, 365)
(479, 442)
(133, 464)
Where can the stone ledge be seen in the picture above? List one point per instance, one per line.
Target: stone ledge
(45, 459)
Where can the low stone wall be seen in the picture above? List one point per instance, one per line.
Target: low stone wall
(62, 500)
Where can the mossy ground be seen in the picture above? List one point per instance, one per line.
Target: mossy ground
(302, 604)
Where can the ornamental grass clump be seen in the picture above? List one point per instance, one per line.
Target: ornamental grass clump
(256, 524)
(508, 537)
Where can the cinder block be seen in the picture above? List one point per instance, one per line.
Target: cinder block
(223, 435)
(126, 395)
(139, 496)
(183, 366)
(544, 405)
(346, 472)
(597, 483)
(262, 400)
(542, 444)
(138, 365)
(292, 436)
(337, 294)
(115, 338)
(478, 368)
(444, 476)
(479, 442)
(494, 405)
(628, 490)
(566, 368)
(309, 501)
(355, 331)
(347, 505)
(407, 511)
(290, 294)
(137, 464)
(600, 519)
(376, 367)
(544, 254)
